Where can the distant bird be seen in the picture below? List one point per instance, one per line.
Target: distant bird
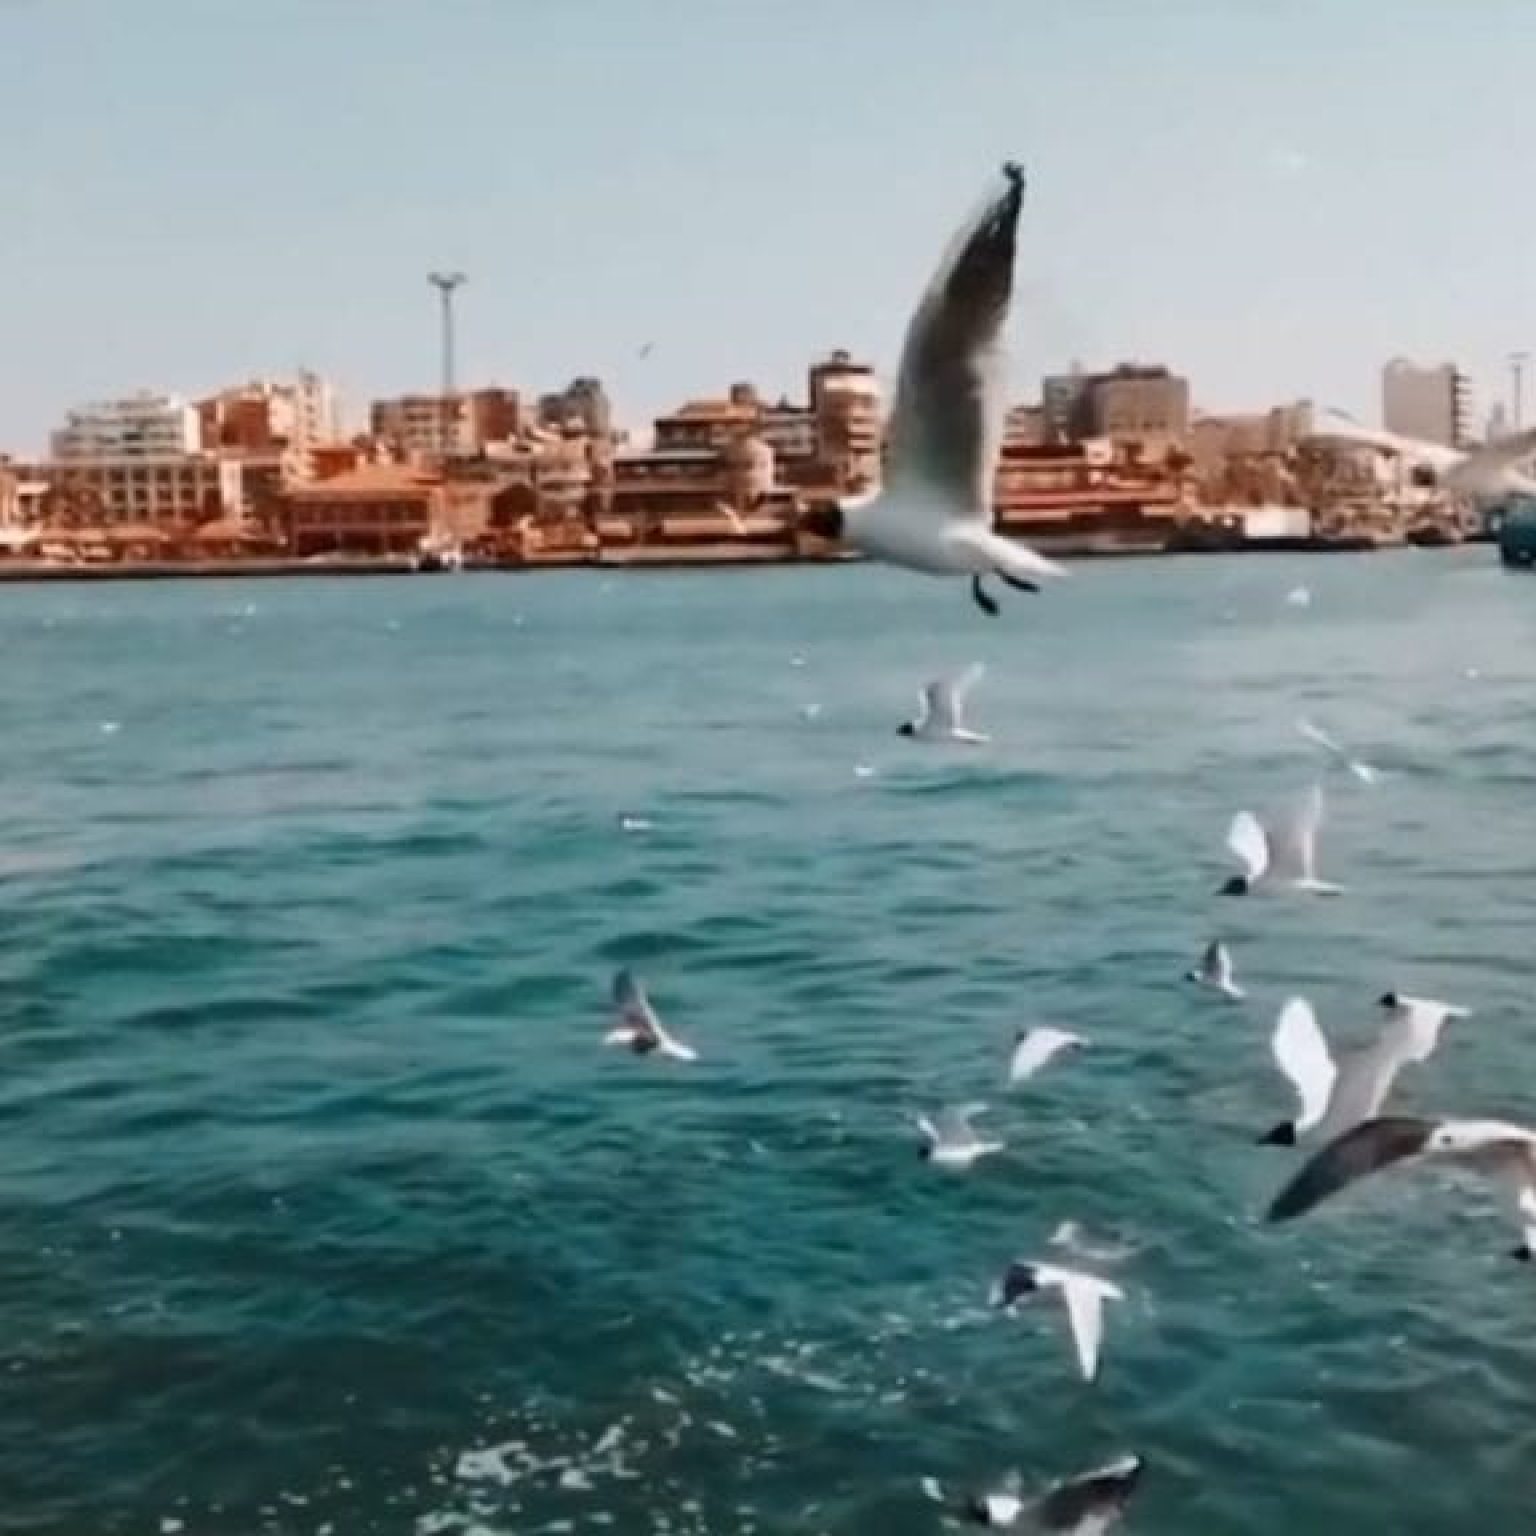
(943, 705)
(1036, 1047)
(1083, 1294)
(646, 350)
(951, 1139)
(1365, 772)
(1338, 1094)
(1215, 971)
(1299, 597)
(934, 512)
(638, 1029)
(1284, 851)
(636, 824)
(1087, 1505)
(864, 770)
(1493, 1148)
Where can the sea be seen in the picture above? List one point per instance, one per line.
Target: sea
(325, 1211)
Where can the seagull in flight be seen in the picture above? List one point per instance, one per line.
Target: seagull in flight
(1037, 1047)
(943, 706)
(934, 512)
(637, 1027)
(1338, 1094)
(1496, 1149)
(1283, 850)
(1365, 772)
(1215, 972)
(1087, 1505)
(951, 1139)
(1083, 1294)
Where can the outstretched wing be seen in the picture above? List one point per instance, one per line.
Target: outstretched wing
(1085, 1297)
(633, 1006)
(1357, 1154)
(1302, 1054)
(1092, 1502)
(1248, 843)
(947, 425)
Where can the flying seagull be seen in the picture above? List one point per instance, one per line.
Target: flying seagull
(1493, 1148)
(637, 1028)
(1087, 1505)
(1283, 851)
(951, 1140)
(1083, 1294)
(943, 706)
(934, 511)
(1365, 772)
(1215, 971)
(1338, 1094)
(1034, 1048)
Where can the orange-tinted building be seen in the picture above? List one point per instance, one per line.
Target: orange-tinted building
(373, 510)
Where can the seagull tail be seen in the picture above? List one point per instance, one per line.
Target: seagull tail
(1017, 561)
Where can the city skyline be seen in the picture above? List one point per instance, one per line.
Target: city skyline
(1302, 215)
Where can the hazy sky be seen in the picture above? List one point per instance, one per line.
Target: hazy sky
(1274, 197)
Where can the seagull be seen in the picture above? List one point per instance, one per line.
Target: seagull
(1084, 1295)
(943, 704)
(1036, 1047)
(952, 1141)
(1086, 1505)
(1526, 1252)
(934, 513)
(1365, 772)
(638, 1028)
(1337, 1095)
(1215, 971)
(1286, 850)
(1494, 1148)
(1299, 597)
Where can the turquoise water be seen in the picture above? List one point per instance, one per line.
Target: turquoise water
(316, 1180)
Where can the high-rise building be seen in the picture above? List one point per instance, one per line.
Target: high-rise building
(143, 426)
(1140, 402)
(845, 402)
(268, 418)
(413, 426)
(583, 406)
(1431, 404)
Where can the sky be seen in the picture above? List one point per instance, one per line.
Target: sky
(1273, 198)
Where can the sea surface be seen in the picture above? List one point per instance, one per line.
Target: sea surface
(324, 1211)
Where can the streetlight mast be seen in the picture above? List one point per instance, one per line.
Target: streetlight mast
(447, 284)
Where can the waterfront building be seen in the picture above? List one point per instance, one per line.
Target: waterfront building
(267, 418)
(373, 510)
(417, 426)
(582, 406)
(846, 405)
(1064, 405)
(1432, 404)
(1140, 402)
(142, 426)
(156, 492)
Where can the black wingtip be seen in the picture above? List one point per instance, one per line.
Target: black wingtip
(1014, 172)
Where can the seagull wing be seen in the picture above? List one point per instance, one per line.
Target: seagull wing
(1091, 1502)
(1357, 1154)
(1302, 1054)
(947, 424)
(1036, 1048)
(1085, 1296)
(1248, 843)
(634, 1007)
(941, 706)
(954, 1124)
(1299, 837)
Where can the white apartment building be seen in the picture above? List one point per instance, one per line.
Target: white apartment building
(143, 426)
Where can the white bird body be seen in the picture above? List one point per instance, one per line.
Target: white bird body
(1084, 1296)
(1283, 851)
(1338, 1094)
(1037, 1047)
(1488, 472)
(934, 512)
(638, 1029)
(943, 710)
(1215, 972)
(952, 1140)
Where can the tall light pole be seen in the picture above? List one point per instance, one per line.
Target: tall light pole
(447, 284)
(1518, 361)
